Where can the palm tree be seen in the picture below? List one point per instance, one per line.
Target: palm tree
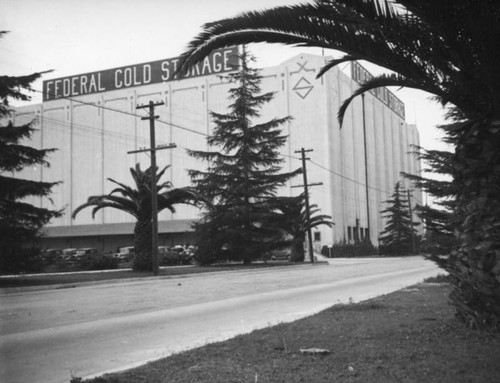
(448, 48)
(137, 202)
(294, 222)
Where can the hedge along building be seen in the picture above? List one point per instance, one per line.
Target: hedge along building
(93, 121)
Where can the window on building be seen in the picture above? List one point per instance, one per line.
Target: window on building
(356, 233)
(349, 233)
(317, 236)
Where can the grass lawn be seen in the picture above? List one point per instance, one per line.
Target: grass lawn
(407, 336)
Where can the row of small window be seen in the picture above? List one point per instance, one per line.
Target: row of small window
(356, 233)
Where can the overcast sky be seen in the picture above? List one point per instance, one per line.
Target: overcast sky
(79, 36)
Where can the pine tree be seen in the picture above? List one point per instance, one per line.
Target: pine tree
(399, 230)
(20, 222)
(438, 219)
(243, 175)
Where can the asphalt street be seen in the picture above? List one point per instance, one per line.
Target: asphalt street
(52, 334)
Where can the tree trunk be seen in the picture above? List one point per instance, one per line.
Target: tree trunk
(298, 250)
(475, 265)
(143, 258)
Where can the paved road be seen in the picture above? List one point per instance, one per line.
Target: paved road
(87, 330)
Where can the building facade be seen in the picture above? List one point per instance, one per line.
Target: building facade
(93, 121)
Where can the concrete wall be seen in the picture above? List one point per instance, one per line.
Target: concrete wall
(94, 132)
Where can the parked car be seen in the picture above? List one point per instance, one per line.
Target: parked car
(125, 253)
(191, 250)
(280, 255)
(91, 259)
(51, 255)
(162, 250)
(69, 254)
(85, 251)
(176, 255)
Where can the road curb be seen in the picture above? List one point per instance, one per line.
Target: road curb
(70, 285)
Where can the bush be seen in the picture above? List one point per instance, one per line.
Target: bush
(21, 260)
(63, 265)
(174, 258)
(402, 248)
(349, 250)
(437, 244)
(440, 278)
(97, 262)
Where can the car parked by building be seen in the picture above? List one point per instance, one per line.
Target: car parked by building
(51, 255)
(69, 254)
(125, 253)
(82, 252)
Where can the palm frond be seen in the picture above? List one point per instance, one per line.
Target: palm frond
(172, 197)
(333, 63)
(376, 82)
(161, 173)
(109, 204)
(405, 36)
(124, 189)
(327, 25)
(102, 201)
(90, 202)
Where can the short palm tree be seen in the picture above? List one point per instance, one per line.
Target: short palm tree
(448, 48)
(137, 202)
(295, 223)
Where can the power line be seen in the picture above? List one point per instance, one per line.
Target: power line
(349, 179)
(192, 131)
(126, 113)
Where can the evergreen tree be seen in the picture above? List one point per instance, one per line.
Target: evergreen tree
(439, 220)
(243, 175)
(399, 230)
(20, 222)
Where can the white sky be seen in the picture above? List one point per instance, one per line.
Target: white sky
(79, 36)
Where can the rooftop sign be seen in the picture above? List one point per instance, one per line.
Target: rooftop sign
(361, 75)
(219, 61)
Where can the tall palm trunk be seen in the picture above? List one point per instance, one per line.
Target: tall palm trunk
(297, 248)
(475, 265)
(143, 231)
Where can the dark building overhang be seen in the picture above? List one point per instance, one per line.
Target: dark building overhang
(126, 228)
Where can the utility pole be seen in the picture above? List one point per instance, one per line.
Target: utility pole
(154, 191)
(411, 225)
(306, 195)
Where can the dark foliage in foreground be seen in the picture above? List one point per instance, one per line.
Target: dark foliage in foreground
(448, 48)
(21, 216)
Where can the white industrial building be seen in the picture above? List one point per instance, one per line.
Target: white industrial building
(92, 121)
